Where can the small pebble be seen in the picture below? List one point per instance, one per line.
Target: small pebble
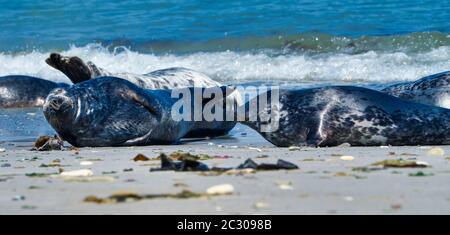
(348, 198)
(18, 198)
(261, 205)
(257, 149)
(439, 152)
(347, 158)
(285, 185)
(221, 189)
(77, 173)
(294, 148)
(86, 163)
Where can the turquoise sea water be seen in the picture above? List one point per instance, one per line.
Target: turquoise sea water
(56, 24)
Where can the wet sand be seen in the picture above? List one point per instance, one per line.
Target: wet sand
(324, 184)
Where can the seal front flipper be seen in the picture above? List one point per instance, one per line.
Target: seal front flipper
(73, 67)
(152, 105)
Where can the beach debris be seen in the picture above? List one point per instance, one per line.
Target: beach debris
(190, 163)
(86, 163)
(121, 197)
(408, 154)
(54, 163)
(141, 157)
(308, 160)
(32, 187)
(18, 198)
(294, 148)
(396, 206)
(438, 152)
(2, 150)
(109, 172)
(261, 205)
(94, 159)
(127, 169)
(384, 146)
(6, 165)
(77, 173)
(342, 174)
(347, 158)
(180, 184)
(368, 169)
(420, 174)
(39, 175)
(284, 185)
(28, 207)
(400, 163)
(221, 189)
(182, 156)
(47, 143)
(280, 165)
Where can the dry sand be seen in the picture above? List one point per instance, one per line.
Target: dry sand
(324, 184)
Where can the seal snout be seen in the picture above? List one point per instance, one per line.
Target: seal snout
(58, 102)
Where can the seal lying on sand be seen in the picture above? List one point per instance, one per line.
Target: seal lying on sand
(331, 116)
(78, 71)
(433, 90)
(111, 111)
(17, 91)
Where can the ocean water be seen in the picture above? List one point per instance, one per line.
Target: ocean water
(290, 43)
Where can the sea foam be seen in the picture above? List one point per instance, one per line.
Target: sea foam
(236, 67)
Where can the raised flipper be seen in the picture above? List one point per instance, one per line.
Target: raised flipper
(73, 67)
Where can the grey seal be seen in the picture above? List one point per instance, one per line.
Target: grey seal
(18, 91)
(432, 90)
(177, 77)
(331, 116)
(111, 111)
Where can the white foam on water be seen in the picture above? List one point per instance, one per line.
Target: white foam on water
(371, 66)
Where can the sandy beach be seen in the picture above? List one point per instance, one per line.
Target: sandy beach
(329, 181)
